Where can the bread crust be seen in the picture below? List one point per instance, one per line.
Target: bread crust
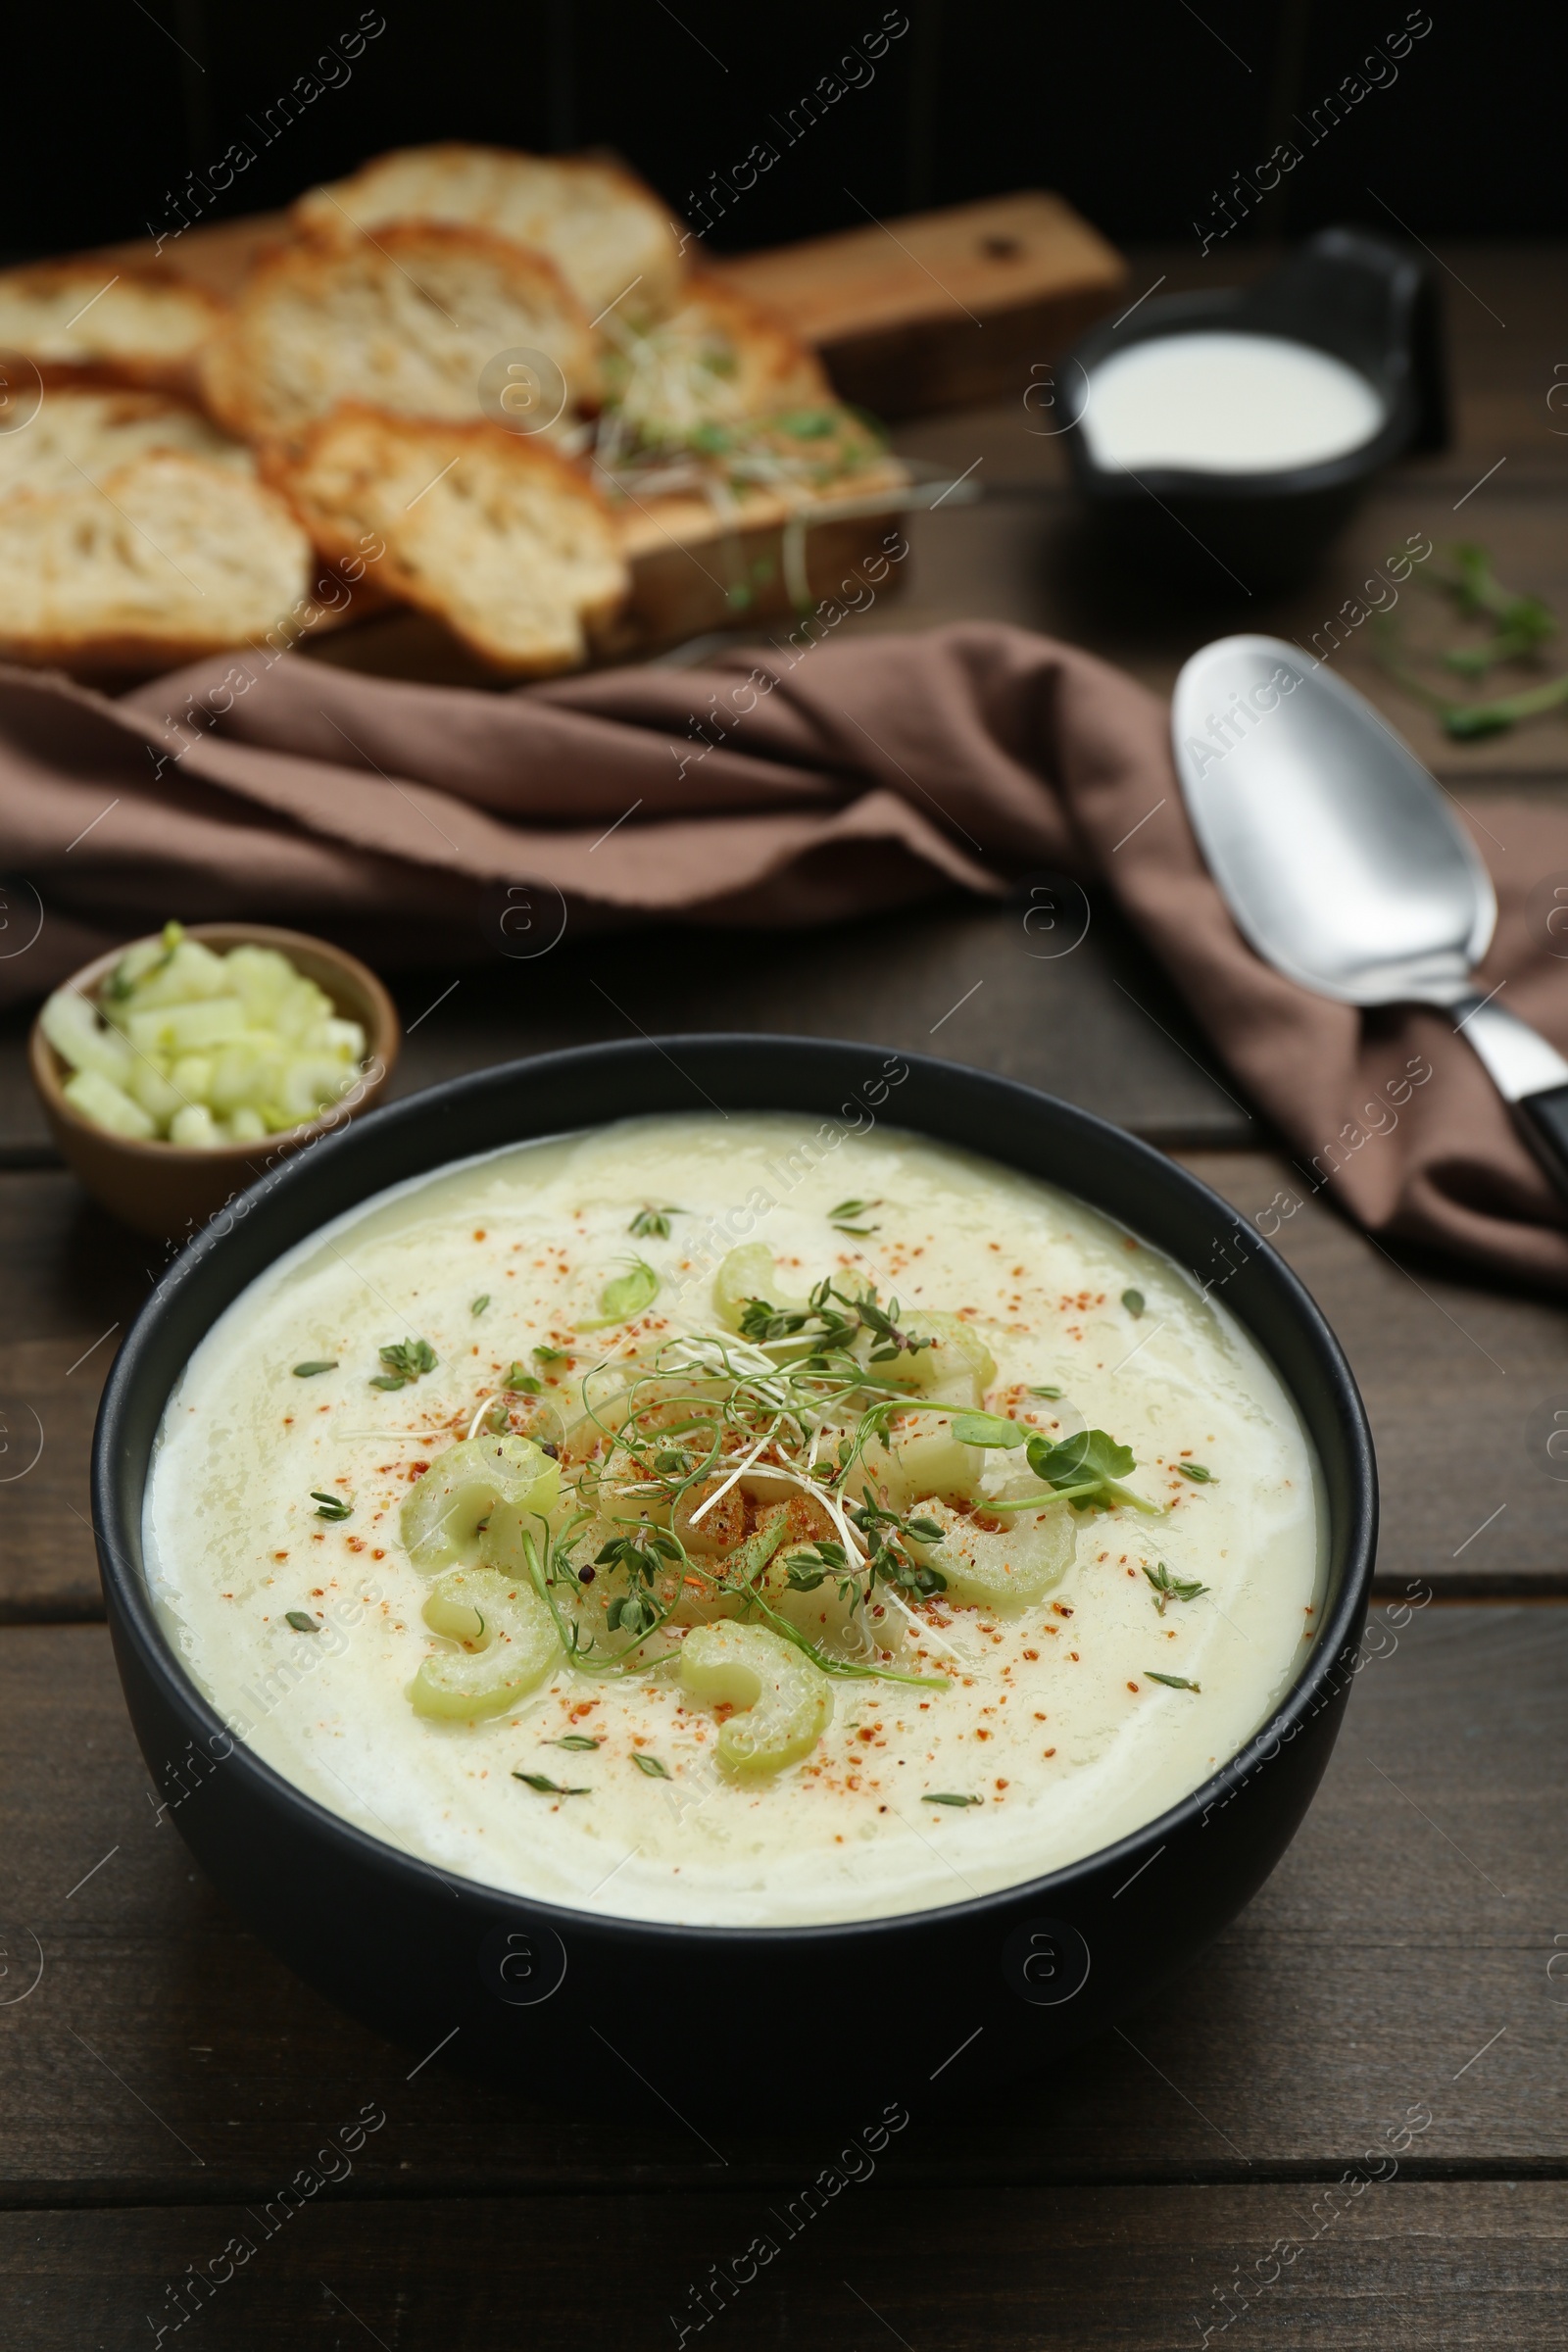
(347, 472)
(60, 530)
(245, 375)
(80, 346)
(479, 180)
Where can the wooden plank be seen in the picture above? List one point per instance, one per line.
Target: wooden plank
(938, 310)
(1366, 2268)
(1454, 1374)
(1028, 556)
(1400, 1955)
(957, 978)
(218, 256)
(74, 1280)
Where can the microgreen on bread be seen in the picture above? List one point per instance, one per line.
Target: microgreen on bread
(330, 1506)
(313, 1365)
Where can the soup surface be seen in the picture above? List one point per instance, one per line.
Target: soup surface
(735, 1520)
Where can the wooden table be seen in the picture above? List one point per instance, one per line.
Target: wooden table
(1403, 1975)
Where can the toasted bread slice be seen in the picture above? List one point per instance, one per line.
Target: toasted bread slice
(608, 235)
(496, 534)
(407, 320)
(84, 432)
(107, 321)
(718, 359)
(168, 558)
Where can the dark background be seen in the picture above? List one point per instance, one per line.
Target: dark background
(1136, 114)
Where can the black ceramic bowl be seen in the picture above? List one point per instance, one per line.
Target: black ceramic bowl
(526, 1987)
(1362, 299)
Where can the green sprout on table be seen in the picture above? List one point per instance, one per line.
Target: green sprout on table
(1516, 629)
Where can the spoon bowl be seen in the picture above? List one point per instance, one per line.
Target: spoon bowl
(1342, 862)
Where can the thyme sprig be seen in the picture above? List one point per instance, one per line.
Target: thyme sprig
(405, 1360)
(831, 1321)
(1170, 1587)
(653, 1224)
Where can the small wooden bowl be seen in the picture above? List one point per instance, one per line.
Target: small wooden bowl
(169, 1189)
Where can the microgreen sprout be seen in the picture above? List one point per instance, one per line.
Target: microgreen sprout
(625, 1297)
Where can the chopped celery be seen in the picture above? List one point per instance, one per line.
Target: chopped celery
(71, 1027)
(98, 1099)
(243, 1040)
(194, 1128)
(185, 1028)
(782, 1702)
(509, 1638)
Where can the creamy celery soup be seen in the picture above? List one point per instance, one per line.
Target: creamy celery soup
(726, 1520)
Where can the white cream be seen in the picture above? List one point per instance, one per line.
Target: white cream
(1217, 402)
(1048, 1716)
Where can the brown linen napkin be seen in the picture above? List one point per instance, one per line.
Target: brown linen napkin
(764, 789)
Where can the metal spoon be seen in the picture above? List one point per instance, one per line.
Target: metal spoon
(1342, 862)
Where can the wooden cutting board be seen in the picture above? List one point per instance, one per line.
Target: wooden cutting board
(927, 310)
(940, 309)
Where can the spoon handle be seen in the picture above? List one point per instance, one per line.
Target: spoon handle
(1530, 1076)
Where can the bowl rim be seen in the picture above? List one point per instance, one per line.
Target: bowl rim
(132, 1615)
(45, 1063)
